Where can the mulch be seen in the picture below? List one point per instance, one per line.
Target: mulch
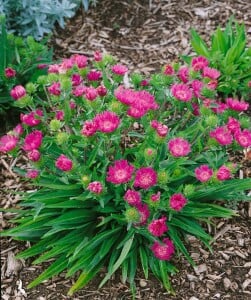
(145, 35)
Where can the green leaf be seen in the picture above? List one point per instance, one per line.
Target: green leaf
(122, 257)
(55, 268)
(144, 260)
(198, 44)
(164, 276)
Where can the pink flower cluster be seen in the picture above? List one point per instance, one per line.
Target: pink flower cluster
(179, 147)
(139, 102)
(33, 140)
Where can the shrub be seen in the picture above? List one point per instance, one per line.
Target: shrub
(126, 167)
(22, 61)
(38, 17)
(230, 54)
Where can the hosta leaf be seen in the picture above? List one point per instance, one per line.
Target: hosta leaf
(55, 268)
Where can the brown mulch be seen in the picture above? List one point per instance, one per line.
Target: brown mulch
(145, 35)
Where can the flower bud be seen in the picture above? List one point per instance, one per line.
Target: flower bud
(149, 154)
(245, 122)
(52, 77)
(132, 215)
(30, 88)
(163, 177)
(55, 125)
(115, 106)
(211, 121)
(23, 102)
(42, 80)
(61, 138)
(188, 190)
(66, 84)
(85, 180)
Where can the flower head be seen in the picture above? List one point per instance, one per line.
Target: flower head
(120, 172)
(94, 75)
(144, 213)
(177, 201)
(7, 143)
(97, 56)
(179, 147)
(164, 250)
(55, 89)
(211, 73)
(243, 138)
(102, 91)
(34, 155)
(33, 140)
(91, 93)
(95, 187)
(199, 63)
(203, 173)
(18, 92)
(89, 128)
(107, 121)
(222, 135)
(161, 129)
(33, 118)
(132, 197)
(32, 174)
(155, 197)
(181, 92)
(233, 125)
(80, 60)
(223, 173)
(236, 105)
(168, 70)
(10, 73)
(145, 178)
(63, 163)
(183, 74)
(158, 227)
(119, 69)
(76, 79)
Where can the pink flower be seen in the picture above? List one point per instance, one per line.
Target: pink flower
(79, 91)
(34, 155)
(121, 172)
(158, 227)
(72, 104)
(18, 92)
(132, 197)
(196, 109)
(89, 128)
(136, 111)
(97, 56)
(63, 163)
(168, 70)
(107, 121)
(237, 105)
(144, 213)
(211, 73)
(10, 73)
(144, 82)
(80, 60)
(212, 84)
(32, 174)
(94, 75)
(91, 93)
(54, 89)
(7, 143)
(95, 187)
(243, 138)
(181, 92)
(163, 251)
(223, 173)
(199, 63)
(203, 173)
(197, 86)
(67, 63)
(179, 147)
(183, 74)
(222, 135)
(219, 107)
(42, 66)
(33, 140)
(33, 118)
(18, 130)
(177, 201)
(233, 125)
(119, 69)
(102, 91)
(145, 178)
(54, 68)
(161, 129)
(60, 115)
(76, 79)
(155, 197)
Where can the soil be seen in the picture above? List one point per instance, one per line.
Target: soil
(145, 35)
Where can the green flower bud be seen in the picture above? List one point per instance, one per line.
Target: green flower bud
(208, 93)
(245, 122)
(52, 77)
(108, 59)
(132, 215)
(211, 120)
(30, 88)
(163, 177)
(85, 179)
(55, 125)
(189, 190)
(42, 80)
(177, 172)
(115, 106)
(66, 84)
(61, 138)
(149, 154)
(83, 72)
(205, 111)
(23, 102)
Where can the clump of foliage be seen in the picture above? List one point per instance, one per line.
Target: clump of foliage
(230, 54)
(22, 61)
(126, 167)
(38, 17)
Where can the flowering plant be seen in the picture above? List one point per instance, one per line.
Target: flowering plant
(228, 52)
(126, 167)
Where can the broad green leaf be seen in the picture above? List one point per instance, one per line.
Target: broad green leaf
(198, 44)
